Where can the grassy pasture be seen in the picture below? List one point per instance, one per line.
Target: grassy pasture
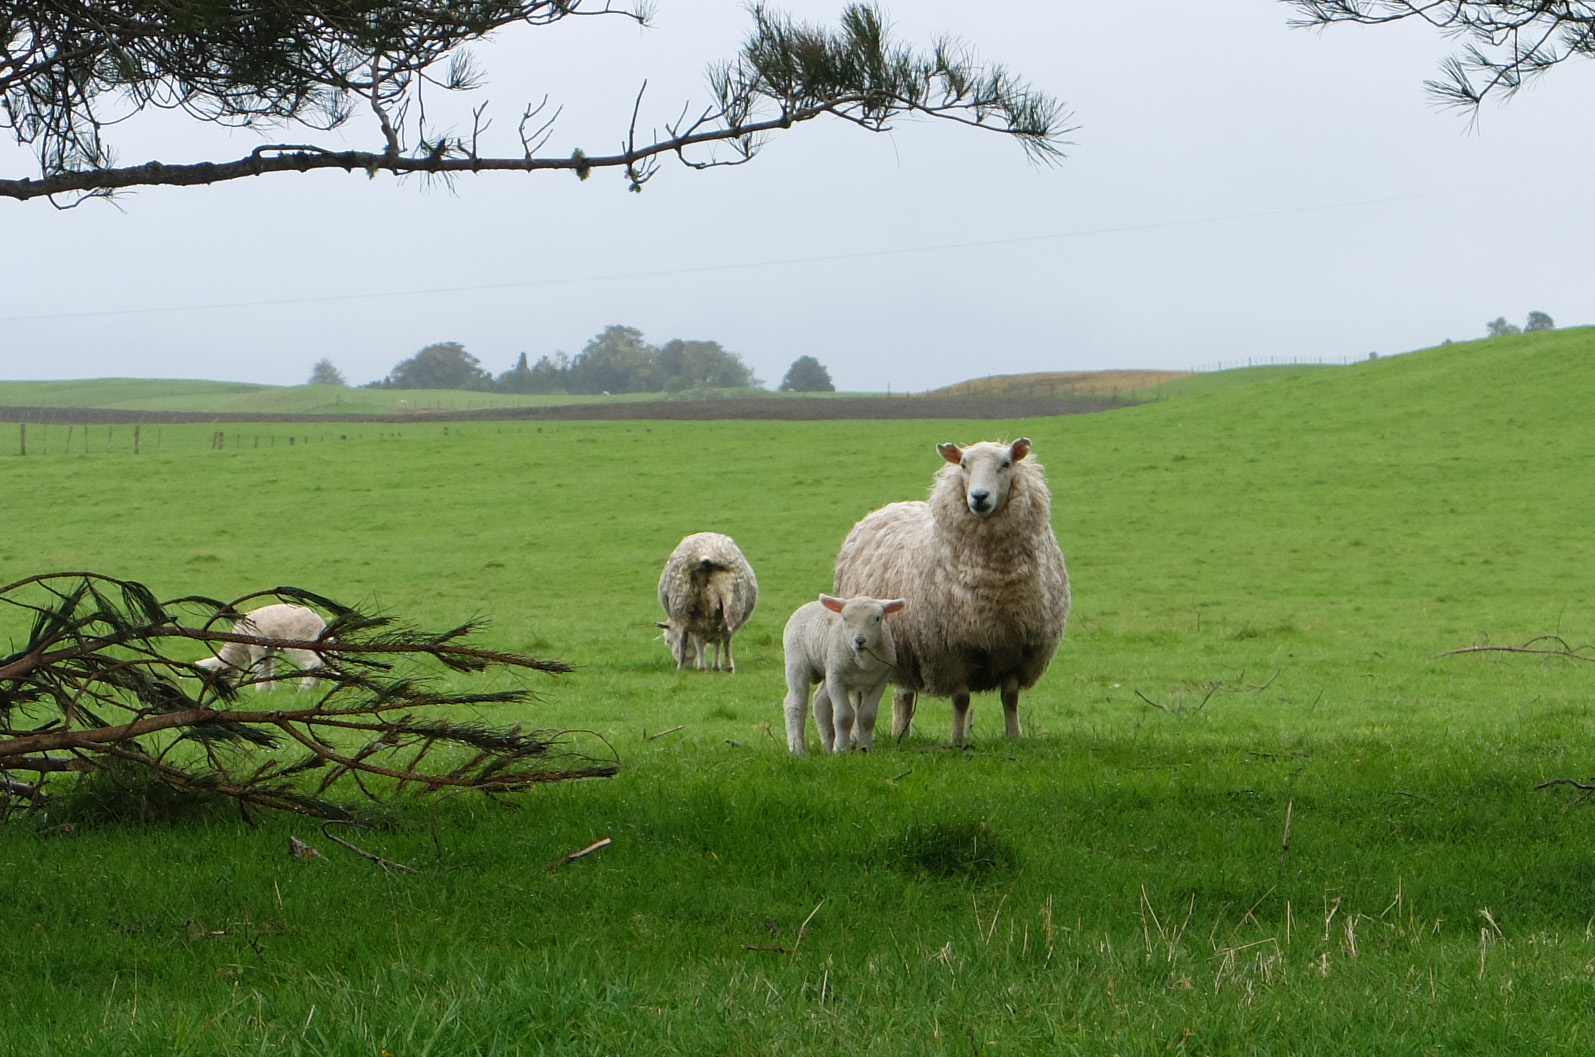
(1272, 564)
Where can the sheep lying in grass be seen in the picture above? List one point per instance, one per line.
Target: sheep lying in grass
(258, 663)
(708, 590)
(844, 645)
(988, 595)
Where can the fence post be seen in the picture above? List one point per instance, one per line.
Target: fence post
(24, 426)
(135, 439)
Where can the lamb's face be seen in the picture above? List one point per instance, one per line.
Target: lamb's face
(986, 472)
(862, 622)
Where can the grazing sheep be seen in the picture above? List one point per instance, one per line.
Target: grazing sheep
(708, 590)
(988, 595)
(281, 621)
(844, 645)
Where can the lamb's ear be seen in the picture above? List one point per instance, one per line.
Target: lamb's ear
(951, 452)
(894, 605)
(833, 604)
(1020, 448)
(661, 624)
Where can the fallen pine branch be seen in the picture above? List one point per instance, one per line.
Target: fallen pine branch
(105, 681)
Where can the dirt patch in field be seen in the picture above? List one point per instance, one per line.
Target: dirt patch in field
(774, 410)
(1061, 384)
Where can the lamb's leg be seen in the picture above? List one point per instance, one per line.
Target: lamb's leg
(731, 664)
(868, 705)
(1010, 710)
(266, 670)
(824, 718)
(307, 662)
(902, 711)
(842, 706)
(797, 707)
(961, 718)
(703, 655)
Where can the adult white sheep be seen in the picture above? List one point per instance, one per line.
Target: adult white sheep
(979, 565)
(708, 590)
(283, 620)
(844, 645)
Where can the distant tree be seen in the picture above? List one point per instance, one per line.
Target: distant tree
(615, 361)
(702, 364)
(445, 365)
(1538, 321)
(807, 375)
(517, 379)
(324, 373)
(1500, 328)
(547, 375)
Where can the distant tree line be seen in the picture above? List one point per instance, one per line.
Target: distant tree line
(1500, 328)
(617, 360)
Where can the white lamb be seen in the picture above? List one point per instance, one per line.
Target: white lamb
(981, 569)
(844, 645)
(708, 590)
(257, 662)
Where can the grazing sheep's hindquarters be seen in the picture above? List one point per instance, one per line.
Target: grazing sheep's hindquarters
(844, 645)
(980, 567)
(708, 591)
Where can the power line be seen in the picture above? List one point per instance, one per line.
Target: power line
(777, 262)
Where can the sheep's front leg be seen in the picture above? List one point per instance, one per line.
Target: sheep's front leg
(797, 707)
(868, 705)
(842, 705)
(824, 718)
(902, 711)
(1010, 710)
(731, 664)
(961, 718)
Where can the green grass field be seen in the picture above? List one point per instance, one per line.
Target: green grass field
(1264, 572)
(157, 394)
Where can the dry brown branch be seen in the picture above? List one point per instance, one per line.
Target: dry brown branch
(1572, 653)
(579, 854)
(387, 864)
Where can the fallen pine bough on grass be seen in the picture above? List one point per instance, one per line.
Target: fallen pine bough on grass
(104, 683)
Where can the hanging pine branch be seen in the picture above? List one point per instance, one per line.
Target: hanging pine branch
(1505, 42)
(72, 69)
(108, 677)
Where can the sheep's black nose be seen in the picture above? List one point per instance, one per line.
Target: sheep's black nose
(979, 498)
(859, 641)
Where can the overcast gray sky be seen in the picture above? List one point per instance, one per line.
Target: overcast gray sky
(1235, 189)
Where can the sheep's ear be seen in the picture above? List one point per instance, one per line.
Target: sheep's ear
(1020, 449)
(894, 605)
(833, 604)
(951, 452)
(661, 624)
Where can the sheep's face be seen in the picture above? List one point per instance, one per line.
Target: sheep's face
(684, 648)
(863, 623)
(986, 471)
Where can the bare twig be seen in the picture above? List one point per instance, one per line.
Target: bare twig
(662, 733)
(1284, 841)
(580, 854)
(1572, 653)
(386, 864)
